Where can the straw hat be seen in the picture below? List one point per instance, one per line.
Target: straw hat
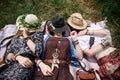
(57, 24)
(76, 21)
(29, 21)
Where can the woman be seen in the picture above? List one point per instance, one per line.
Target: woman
(108, 59)
(87, 34)
(106, 56)
(23, 50)
(57, 52)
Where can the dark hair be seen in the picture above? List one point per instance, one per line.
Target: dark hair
(71, 28)
(52, 33)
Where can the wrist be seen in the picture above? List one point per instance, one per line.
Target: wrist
(41, 64)
(74, 39)
(75, 42)
(105, 44)
(26, 38)
(17, 57)
(89, 32)
(10, 57)
(38, 61)
(26, 35)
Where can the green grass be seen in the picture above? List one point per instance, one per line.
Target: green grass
(45, 9)
(110, 9)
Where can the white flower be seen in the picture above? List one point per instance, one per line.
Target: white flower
(31, 19)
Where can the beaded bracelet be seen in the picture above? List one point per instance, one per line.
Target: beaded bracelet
(15, 56)
(38, 61)
(26, 38)
(75, 42)
(105, 44)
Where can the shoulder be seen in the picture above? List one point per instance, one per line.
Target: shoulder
(37, 35)
(15, 40)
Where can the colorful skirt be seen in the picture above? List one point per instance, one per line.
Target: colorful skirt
(110, 66)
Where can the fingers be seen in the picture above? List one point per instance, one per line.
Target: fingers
(46, 70)
(27, 64)
(73, 32)
(24, 32)
(49, 73)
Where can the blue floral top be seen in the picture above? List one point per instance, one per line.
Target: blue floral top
(16, 71)
(19, 46)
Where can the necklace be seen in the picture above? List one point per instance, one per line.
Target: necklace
(55, 56)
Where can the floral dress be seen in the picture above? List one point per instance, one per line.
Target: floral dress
(16, 71)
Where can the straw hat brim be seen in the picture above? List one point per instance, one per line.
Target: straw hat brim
(76, 26)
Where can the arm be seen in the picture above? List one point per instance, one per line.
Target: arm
(46, 70)
(34, 42)
(36, 46)
(94, 50)
(11, 56)
(29, 42)
(100, 33)
(78, 49)
(97, 48)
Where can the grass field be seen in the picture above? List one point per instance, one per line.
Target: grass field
(45, 9)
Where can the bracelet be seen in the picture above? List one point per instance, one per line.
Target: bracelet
(38, 61)
(15, 56)
(102, 46)
(26, 38)
(75, 42)
(105, 44)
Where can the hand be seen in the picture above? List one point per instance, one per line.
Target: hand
(25, 62)
(10, 56)
(25, 33)
(83, 32)
(73, 35)
(46, 70)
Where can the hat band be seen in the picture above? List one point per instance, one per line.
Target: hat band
(58, 25)
(77, 21)
(52, 26)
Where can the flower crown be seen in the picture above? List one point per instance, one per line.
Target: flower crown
(31, 22)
